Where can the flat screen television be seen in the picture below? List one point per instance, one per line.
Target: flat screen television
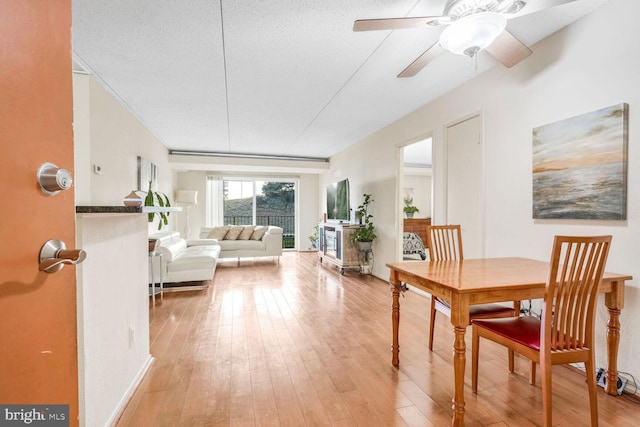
(338, 201)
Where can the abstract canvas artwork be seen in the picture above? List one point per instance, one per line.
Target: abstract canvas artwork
(147, 171)
(580, 166)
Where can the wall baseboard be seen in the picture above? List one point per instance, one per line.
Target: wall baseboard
(122, 405)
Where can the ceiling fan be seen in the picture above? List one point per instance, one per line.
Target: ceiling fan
(471, 26)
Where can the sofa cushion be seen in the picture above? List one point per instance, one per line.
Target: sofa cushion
(233, 233)
(258, 232)
(241, 245)
(246, 232)
(171, 250)
(219, 232)
(195, 262)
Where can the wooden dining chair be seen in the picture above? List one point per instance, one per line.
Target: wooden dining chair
(445, 243)
(565, 332)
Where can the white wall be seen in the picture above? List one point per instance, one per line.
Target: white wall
(308, 208)
(113, 302)
(421, 185)
(108, 135)
(113, 313)
(370, 168)
(589, 65)
(194, 180)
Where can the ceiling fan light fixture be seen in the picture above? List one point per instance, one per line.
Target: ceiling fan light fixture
(512, 7)
(472, 33)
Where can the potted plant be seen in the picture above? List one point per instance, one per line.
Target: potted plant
(409, 209)
(314, 238)
(364, 236)
(156, 198)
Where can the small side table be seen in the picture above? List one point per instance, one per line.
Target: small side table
(153, 289)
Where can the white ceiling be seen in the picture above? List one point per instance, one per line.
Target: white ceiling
(281, 77)
(418, 154)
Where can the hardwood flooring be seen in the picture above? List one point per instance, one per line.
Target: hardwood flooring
(296, 344)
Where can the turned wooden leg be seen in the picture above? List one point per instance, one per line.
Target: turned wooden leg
(459, 360)
(614, 301)
(395, 322)
(613, 341)
(460, 321)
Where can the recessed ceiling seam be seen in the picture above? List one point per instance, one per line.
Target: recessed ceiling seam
(226, 84)
(326, 105)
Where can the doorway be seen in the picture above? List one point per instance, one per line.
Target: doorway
(416, 198)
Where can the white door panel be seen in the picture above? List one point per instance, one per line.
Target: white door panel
(464, 183)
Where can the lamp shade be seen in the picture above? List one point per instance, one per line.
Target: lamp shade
(187, 196)
(472, 33)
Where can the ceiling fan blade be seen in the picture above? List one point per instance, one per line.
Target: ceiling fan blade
(422, 61)
(397, 23)
(533, 6)
(508, 49)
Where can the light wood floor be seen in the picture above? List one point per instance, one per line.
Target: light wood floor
(297, 344)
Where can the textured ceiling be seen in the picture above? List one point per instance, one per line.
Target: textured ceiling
(279, 77)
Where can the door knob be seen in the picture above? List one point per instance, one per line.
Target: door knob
(54, 255)
(53, 179)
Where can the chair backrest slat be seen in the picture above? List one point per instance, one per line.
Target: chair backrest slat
(444, 242)
(577, 266)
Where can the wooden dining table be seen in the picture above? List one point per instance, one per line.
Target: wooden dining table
(488, 280)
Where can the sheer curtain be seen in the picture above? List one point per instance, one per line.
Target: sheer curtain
(214, 201)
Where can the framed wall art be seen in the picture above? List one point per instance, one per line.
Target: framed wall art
(147, 171)
(580, 166)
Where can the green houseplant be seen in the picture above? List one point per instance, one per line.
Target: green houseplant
(314, 237)
(366, 233)
(409, 209)
(156, 198)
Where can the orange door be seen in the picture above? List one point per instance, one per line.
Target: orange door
(38, 357)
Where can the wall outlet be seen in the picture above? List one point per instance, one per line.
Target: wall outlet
(132, 336)
(601, 380)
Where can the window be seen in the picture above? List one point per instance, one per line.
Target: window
(242, 201)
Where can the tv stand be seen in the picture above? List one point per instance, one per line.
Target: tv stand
(335, 245)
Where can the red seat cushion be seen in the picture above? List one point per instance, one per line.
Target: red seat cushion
(524, 330)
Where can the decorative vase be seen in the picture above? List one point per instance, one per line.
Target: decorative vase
(409, 214)
(132, 199)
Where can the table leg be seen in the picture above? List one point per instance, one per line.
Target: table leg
(614, 301)
(459, 320)
(459, 361)
(395, 322)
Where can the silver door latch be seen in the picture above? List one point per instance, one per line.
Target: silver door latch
(54, 255)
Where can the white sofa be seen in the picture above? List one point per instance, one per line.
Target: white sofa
(182, 262)
(269, 244)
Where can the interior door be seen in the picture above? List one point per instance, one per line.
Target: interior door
(38, 360)
(465, 182)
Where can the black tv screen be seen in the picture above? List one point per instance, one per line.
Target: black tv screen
(338, 201)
